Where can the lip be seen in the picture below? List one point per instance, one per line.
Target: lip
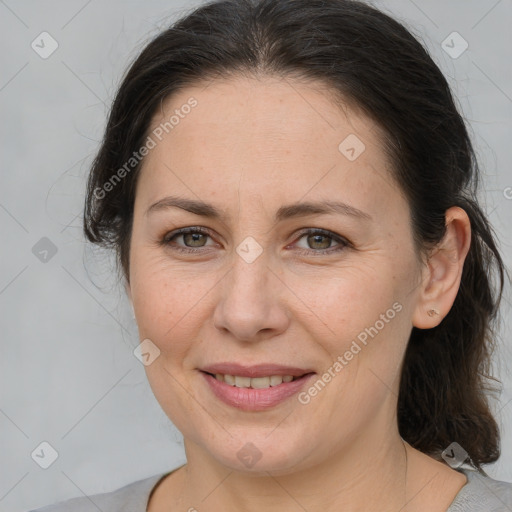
(259, 370)
(249, 399)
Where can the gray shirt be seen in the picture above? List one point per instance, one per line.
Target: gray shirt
(480, 494)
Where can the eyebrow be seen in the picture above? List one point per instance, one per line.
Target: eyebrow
(301, 209)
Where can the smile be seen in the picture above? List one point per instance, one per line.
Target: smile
(254, 393)
(254, 383)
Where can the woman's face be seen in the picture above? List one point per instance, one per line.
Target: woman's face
(255, 288)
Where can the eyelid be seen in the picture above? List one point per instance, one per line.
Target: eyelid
(342, 242)
(183, 249)
(184, 231)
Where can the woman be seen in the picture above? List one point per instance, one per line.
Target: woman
(290, 191)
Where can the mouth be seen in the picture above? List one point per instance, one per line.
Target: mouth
(255, 388)
(264, 382)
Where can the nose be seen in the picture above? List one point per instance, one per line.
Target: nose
(251, 306)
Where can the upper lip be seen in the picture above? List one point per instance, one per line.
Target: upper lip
(258, 370)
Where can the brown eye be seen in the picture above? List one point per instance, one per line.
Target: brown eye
(320, 241)
(194, 239)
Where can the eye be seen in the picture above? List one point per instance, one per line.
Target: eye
(194, 239)
(320, 241)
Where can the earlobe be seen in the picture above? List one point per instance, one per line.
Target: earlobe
(443, 271)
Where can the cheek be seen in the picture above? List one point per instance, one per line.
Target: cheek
(169, 302)
(362, 318)
(348, 303)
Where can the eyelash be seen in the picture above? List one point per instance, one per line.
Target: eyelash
(343, 243)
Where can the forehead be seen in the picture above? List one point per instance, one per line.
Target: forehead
(276, 108)
(259, 131)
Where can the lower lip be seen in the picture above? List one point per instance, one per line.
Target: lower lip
(249, 399)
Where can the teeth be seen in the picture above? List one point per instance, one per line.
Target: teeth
(256, 382)
(242, 382)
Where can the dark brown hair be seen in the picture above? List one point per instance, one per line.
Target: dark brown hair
(375, 62)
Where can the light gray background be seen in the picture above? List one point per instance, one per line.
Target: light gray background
(67, 374)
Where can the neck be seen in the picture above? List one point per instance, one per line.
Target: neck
(367, 475)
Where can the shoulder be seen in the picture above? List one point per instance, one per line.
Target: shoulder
(482, 493)
(132, 497)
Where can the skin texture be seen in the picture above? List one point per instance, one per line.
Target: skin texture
(249, 147)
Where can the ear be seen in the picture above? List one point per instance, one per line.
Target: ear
(443, 271)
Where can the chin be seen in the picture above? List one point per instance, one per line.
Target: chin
(259, 455)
